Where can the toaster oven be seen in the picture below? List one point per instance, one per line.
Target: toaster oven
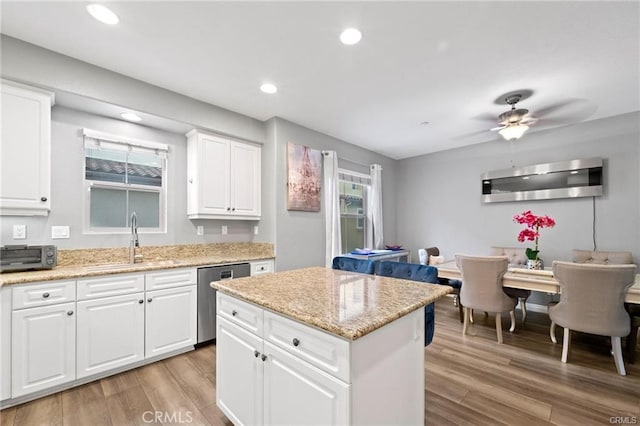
(24, 257)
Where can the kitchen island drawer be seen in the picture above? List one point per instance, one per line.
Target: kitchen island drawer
(110, 285)
(321, 349)
(244, 314)
(41, 294)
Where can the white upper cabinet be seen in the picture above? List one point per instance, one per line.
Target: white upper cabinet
(25, 150)
(223, 178)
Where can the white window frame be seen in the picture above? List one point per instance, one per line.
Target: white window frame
(116, 142)
(351, 177)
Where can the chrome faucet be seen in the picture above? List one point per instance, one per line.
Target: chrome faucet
(134, 239)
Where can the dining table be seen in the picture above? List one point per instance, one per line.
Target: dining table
(531, 279)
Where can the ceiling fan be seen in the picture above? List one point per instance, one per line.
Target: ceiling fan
(515, 122)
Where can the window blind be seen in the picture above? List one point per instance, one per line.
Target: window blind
(354, 177)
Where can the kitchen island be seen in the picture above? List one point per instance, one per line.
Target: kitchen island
(321, 346)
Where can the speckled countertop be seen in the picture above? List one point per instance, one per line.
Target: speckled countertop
(348, 304)
(81, 263)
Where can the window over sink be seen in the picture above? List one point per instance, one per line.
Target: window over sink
(123, 175)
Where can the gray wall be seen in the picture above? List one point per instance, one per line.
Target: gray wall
(67, 168)
(300, 235)
(441, 204)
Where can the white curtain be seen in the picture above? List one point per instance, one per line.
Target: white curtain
(333, 242)
(375, 234)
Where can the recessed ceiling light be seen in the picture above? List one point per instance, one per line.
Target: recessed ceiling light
(102, 14)
(350, 36)
(269, 88)
(130, 116)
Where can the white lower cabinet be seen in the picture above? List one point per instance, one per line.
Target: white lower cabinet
(170, 320)
(110, 333)
(261, 383)
(49, 339)
(239, 385)
(297, 393)
(273, 370)
(43, 347)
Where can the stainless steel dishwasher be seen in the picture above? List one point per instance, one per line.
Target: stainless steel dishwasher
(207, 295)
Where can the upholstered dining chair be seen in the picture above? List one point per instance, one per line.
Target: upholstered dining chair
(602, 257)
(596, 258)
(517, 257)
(482, 288)
(592, 301)
(455, 284)
(413, 272)
(352, 264)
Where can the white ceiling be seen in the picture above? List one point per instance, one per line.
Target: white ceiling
(442, 62)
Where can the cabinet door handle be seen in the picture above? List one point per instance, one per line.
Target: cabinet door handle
(233, 209)
(69, 313)
(45, 295)
(256, 353)
(296, 342)
(234, 313)
(263, 357)
(43, 199)
(141, 301)
(228, 208)
(149, 300)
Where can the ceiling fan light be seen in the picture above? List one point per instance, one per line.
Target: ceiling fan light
(511, 133)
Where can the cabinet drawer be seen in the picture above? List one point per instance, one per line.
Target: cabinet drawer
(244, 314)
(31, 295)
(262, 267)
(323, 350)
(110, 285)
(170, 278)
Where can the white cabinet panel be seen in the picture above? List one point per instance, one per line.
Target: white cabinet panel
(5, 343)
(297, 394)
(170, 320)
(261, 267)
(239, 374)
(223, 178)
(25, 151)
(110, 285)
(328, 353)
(171, 278)
(245, 179)
(244, 314)
(110, 333)
(40, 294)
(43, 347)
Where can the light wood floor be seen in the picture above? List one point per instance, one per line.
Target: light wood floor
(469, 381)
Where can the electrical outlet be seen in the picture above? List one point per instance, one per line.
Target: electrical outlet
(199, 230)
(19, 232)
(59, 232)
(223, 230)
(255, 230)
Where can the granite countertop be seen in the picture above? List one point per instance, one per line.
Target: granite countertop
(81, 263)
(347, 304)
